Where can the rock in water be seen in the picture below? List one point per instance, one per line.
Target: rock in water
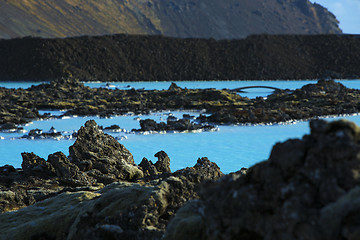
(101, 153)
(308, 189)
(163, 163)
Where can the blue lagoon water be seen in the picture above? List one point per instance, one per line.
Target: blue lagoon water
(232, 147)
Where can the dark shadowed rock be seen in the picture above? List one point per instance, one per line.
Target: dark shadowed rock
(121, 210)
(34, 165)
(308, 189)
(172, 124)
(102, 155)
(148, 168)
(174, 87)
(202, 171)
(63, 167)
(7, 169)
(163, 162)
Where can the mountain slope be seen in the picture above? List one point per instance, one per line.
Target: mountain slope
(219, 19)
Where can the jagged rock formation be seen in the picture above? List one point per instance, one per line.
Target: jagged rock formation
(182, 18)
(64, 201)
(146, 58)
(103, 156)
(307, 189)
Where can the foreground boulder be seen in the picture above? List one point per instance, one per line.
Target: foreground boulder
(95, 159)
(308, 189)
(121, 210)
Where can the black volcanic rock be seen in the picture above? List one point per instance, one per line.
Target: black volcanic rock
(34, 165)
(101, 154)
(163, 163)
(73, 197)
(63, 167)
(172, 124)
(256, 57)
(306, 186)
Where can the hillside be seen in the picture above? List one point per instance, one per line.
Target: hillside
(225, 19)
(143, 58)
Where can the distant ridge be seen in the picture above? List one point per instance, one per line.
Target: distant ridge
(218, 19)
(148, 58)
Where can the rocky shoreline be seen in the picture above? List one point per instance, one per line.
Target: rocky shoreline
(98, 169)
(97, 192)
(326, 98)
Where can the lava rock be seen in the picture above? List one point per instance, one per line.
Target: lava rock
(121, 210)
(163, 163)
(148, 168)
(63, 167)
(95, 150)
(308, 189)
(33, 165)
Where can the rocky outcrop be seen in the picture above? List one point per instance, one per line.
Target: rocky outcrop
(102, 156)
(324, 98)
(97, 159)
(163, 163)
(121, 210)
(33, 165)
(308, 189)
(72, 196)
(112, 58)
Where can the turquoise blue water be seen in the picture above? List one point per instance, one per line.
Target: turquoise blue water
(251, 93)
(232, 147)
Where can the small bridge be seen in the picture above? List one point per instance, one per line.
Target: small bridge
(241, 89)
